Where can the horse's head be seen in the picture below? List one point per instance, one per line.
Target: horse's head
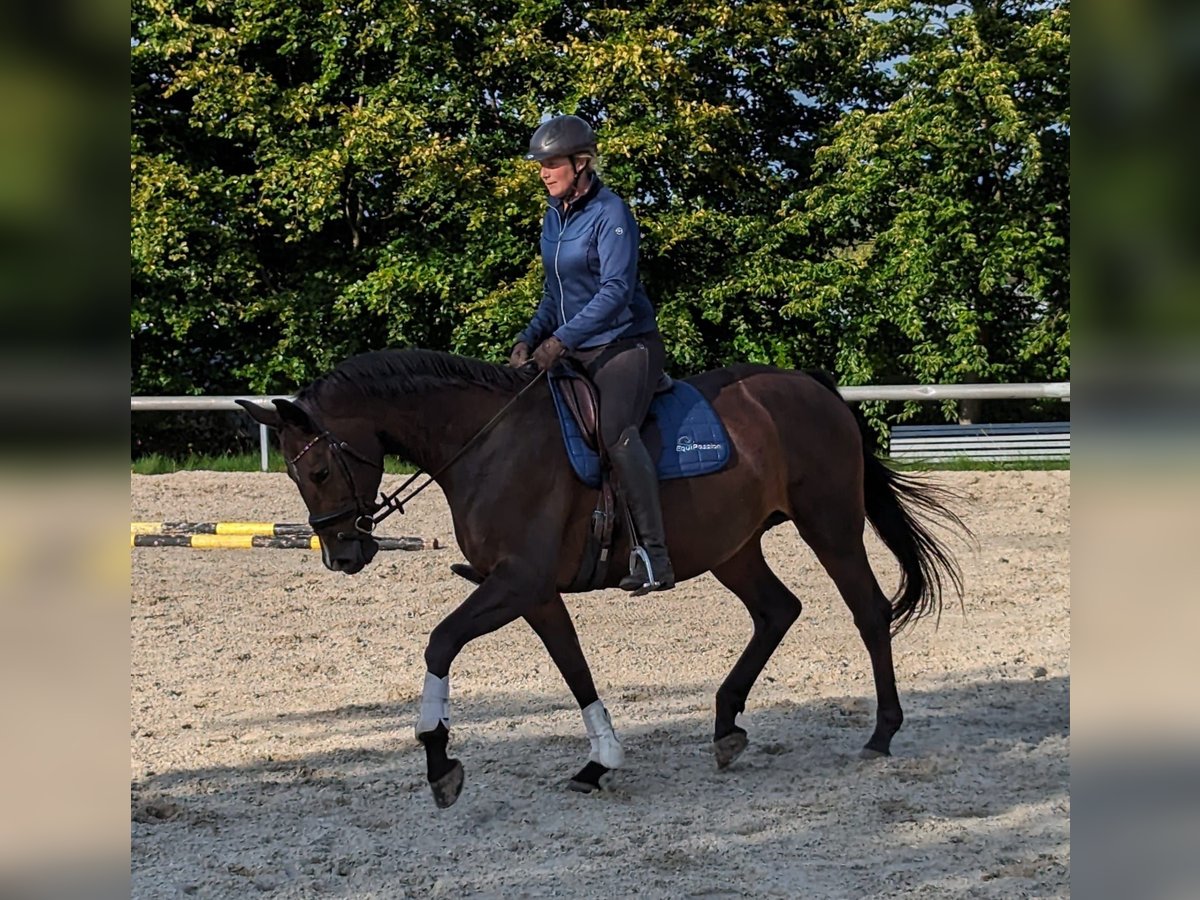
(338, 477)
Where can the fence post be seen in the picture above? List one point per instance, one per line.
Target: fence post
(262, 442)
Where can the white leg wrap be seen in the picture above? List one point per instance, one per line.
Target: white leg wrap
(606, 748)
(435, 704)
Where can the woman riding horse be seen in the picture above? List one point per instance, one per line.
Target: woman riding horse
(595, 310)
(487, 432)
(799, 455)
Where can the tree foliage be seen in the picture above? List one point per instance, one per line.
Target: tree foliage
(876, 188)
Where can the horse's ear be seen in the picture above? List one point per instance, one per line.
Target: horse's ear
(291, 414)
(285, 413)
(263, 415)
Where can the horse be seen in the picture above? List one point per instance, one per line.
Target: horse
(799, 454)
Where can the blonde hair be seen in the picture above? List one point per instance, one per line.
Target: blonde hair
(590, 162)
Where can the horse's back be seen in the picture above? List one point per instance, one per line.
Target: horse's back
(776, 390)
(711, 382)
(800, 416)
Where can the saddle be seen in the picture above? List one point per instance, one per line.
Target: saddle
(682, 425)
(579, 395)
(574, 391)
(693, 442)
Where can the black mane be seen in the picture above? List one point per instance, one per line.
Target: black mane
(386, 373)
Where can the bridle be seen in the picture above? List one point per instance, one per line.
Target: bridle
(369, 513)
(362, 511)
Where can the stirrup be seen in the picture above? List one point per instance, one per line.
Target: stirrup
(639, 552)
(649, 582)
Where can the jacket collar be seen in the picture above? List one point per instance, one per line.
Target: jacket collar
(583, 201)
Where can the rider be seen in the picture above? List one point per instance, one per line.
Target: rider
(595, 310)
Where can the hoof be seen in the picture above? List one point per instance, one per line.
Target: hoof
(729, 748)
(868, 753)
(447, 788)
(592, 777)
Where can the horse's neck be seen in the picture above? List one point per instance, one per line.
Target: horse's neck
(431, 427)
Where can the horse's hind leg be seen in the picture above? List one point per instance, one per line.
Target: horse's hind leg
(773, 609)
(553, 625)
(848, 566)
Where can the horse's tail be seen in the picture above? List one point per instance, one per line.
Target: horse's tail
(896, 504)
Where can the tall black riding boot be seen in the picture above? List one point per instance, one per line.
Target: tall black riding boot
(638, 481)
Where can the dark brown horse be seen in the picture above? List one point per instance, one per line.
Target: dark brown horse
(521, 518)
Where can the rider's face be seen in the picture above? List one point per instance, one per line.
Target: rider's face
(558, 176)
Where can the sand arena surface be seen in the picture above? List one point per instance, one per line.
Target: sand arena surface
(272, 751)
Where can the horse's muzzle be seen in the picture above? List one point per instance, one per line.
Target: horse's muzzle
(349, 556)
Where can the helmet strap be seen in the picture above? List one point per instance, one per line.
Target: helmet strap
(578, 174)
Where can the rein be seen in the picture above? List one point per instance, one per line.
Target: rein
(367, 517)
(390, 504)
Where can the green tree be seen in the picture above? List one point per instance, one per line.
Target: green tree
(932, 245)
(311, 179)
(877, 189)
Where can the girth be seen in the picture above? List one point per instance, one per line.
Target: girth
(582, 401)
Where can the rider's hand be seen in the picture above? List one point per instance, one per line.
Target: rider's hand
(548, 352)
(519, 355)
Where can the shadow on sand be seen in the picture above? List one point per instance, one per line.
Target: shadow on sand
(360, 821)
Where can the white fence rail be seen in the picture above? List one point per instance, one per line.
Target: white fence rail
(1022, 440)
(1055, 390)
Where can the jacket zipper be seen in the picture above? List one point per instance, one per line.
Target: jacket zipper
(562, 227)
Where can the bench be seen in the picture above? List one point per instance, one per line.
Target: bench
(935, 443)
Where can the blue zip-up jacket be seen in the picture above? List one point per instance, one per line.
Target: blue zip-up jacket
(592, 295)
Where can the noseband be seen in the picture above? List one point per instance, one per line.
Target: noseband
(362, 511)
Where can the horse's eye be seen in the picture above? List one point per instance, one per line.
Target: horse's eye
(320, 475)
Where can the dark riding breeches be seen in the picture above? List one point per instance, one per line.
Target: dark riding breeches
(625, 373)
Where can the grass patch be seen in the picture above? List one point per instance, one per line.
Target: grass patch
(982, 465)
(156, 464)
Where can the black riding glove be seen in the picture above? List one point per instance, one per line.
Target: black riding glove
(549, 352)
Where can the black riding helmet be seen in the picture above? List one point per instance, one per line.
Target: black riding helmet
(561, 136)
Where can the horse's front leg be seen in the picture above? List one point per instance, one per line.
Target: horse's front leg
(553, 625)
(502, 597)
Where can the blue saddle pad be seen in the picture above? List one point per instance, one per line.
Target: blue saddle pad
(694, 441)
